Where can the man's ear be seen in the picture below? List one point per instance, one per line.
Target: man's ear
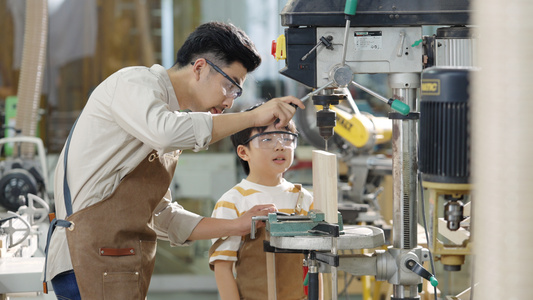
(197, 68)
(242, 152)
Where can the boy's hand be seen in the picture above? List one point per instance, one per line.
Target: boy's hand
(244, 222)
(278, 108)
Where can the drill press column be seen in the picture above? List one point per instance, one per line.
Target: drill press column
(404, 171)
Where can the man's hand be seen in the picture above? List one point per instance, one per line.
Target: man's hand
(278, 108)
(244, 222)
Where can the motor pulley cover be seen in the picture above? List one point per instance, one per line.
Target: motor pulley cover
(13, 184)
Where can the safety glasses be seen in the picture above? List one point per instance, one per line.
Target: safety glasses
(270, 139)
(233, 89)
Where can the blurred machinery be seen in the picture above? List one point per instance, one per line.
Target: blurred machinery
(21, 262)
(23, 169)
(325, 44)
(22, 175)
(19, 230)
(444, 160)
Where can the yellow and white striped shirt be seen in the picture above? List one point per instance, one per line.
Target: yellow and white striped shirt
(244, 196)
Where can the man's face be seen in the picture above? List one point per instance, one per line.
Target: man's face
(220, 86)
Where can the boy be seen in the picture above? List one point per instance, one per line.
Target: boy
(265, 154)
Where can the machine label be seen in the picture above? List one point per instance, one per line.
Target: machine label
(368, 40)
(430, 87)
(344, 123)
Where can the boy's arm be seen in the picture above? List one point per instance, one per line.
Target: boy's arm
(209, 228)
(227, 286)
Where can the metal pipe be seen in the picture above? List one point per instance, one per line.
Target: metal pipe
(404, 170)
(313, 280)
(404, 164)
(167, 33)
(304, 98)
(31, 73)
(371, 92)
(334, 281)
(345, 45)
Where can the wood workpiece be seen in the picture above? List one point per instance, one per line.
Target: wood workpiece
(325, 184)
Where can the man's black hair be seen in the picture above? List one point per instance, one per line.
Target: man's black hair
(242, 136)
(221, 43)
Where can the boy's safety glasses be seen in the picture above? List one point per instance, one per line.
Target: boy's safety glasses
(270, 139)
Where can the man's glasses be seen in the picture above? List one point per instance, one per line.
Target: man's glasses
(234, 90)
(269, 140)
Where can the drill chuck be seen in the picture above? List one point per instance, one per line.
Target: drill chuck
(326, 121)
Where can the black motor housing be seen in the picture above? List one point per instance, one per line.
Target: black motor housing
(444, 125)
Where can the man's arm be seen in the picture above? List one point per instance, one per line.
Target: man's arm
(266, 114)
(209, 228)
(227, 286)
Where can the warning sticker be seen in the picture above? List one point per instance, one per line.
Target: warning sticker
(368, 40)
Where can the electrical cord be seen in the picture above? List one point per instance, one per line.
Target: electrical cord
(426, 229)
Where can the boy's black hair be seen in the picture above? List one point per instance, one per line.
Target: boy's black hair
(220, 43)
(242, 136)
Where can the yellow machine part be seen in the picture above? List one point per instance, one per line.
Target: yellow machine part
(281, 48)
(362, 130)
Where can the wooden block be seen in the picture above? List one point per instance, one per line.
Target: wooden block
(271, 276)
(325, 184)
(271, 272)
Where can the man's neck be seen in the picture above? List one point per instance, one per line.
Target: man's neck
(179, 79)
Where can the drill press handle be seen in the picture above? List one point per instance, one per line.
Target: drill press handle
(417, 268)
(399, 106)
(350, 7)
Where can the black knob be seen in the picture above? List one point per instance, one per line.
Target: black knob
(417, 268)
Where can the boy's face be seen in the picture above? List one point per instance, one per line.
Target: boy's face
(218, 86)
(269, 155)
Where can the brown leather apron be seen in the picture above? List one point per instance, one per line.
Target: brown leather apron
(251, 271)
(111, 244)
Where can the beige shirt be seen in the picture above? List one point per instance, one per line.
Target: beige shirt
(128, 115)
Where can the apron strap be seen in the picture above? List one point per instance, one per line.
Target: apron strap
(214, 248)
(53, 224)
(66, 189)
(68, 206)
(298, 207)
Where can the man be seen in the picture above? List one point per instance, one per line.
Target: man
(120, 157)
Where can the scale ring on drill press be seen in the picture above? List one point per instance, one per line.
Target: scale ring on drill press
(354, 237)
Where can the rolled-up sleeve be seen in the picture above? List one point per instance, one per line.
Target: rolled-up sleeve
(173, 223)
(202, 125)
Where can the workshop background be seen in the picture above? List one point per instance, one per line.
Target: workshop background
(104, 36)
(87, 40)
